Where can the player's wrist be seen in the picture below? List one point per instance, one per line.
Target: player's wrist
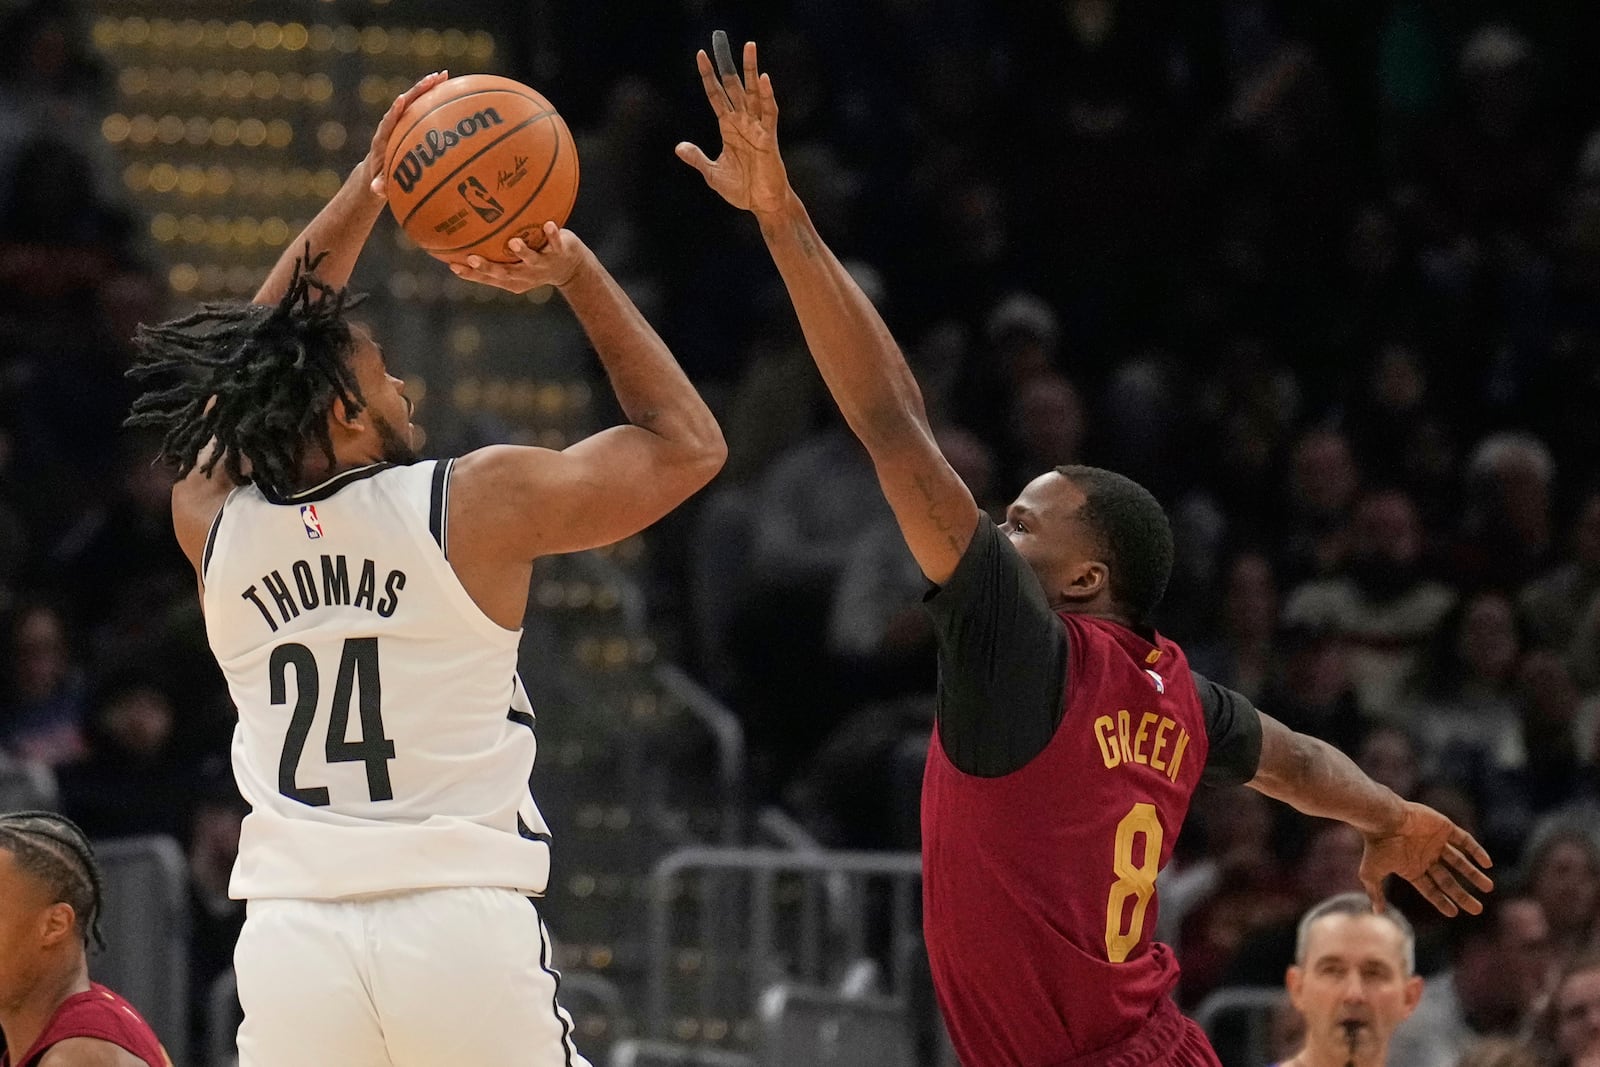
(786, 206)
(586, 269)
(359, 182)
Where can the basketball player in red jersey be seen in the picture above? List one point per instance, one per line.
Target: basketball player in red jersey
(1070, 735)
(51, 1014)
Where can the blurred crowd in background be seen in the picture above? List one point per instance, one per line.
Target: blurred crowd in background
(1325, 277)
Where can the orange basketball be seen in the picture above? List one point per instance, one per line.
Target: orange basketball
(477, 161)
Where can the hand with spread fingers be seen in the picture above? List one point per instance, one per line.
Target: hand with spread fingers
(563, 258)
(749, 173)
(377, 179)
(1434, 855)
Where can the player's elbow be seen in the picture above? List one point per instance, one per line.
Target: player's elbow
(707, 453)
(699, 457)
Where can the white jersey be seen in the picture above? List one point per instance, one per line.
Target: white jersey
(384, 742)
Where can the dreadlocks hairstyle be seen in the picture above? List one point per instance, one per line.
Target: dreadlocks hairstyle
(1133, 532)
(257, 379)
(54, 850)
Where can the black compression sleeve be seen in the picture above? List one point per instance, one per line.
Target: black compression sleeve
(1233, 727)
(1002, 659)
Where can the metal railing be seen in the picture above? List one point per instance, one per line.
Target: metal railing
(146, 920)
(759, 917)
(1254, 1006)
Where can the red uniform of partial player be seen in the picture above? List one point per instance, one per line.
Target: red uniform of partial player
(1041, 843)
(101, 1014)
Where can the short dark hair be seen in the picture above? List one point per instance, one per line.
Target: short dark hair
(52, 849)
(274, 370)
(1134, 535)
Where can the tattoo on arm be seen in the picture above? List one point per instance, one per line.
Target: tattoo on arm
(940, 523)
(807, 245)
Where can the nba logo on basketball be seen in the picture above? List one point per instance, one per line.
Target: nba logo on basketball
(478, 198)
(308, 515)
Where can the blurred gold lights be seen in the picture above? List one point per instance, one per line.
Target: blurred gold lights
(216, 180)
(216, 35)
(189, 83)
(142, 130)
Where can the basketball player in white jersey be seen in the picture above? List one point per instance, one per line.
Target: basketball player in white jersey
(365, 609)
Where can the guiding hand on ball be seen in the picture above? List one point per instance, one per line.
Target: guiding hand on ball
(562, 257)
(378, 179)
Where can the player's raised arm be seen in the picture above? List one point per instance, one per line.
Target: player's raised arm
(340, 230)
(859, 360)
(1405, 838)
(334, 238)
(522, 503)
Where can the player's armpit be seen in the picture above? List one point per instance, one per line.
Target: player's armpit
(931, 503)
(196, 499)
(512, 503)
(88, 1052)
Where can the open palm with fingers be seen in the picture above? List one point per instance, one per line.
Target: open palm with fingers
(749, 173)
(1432, 853)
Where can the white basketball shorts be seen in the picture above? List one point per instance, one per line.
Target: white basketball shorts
(419, 979)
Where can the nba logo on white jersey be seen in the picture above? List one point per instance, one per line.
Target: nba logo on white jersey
(308, 515)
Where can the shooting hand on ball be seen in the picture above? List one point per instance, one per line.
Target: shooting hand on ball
(562, 259)
(749, 173)
(377, 179)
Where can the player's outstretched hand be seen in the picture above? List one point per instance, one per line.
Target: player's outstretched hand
(749, 173)
(378, 154)
(561, 259)
(1434, 855)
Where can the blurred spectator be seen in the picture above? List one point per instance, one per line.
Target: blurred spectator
(1242, 656)
(42, 705)
(1236, 827)
(1556, 605)
(50, 77)
(1320, 492)
(1499, 1052)
(1382, 603)
(1312, 690)
(1392, 399)
(1244, 413)
(1507, 535)
(1046, 428)
(877, 626)
(1558, 732)
(130, 782)
(1023, 336)
(1463, 706)
(1561, 870)
(1569, 1030)
(1499, 971)
(810, 508)
(1353, 980)
(1138, 429)
(1329, 860)
(1388, 754)
(25, 786)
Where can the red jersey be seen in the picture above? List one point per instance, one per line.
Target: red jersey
(101, 1014)
(1039, 885)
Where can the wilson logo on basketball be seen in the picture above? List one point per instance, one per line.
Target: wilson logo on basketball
(430, 149)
